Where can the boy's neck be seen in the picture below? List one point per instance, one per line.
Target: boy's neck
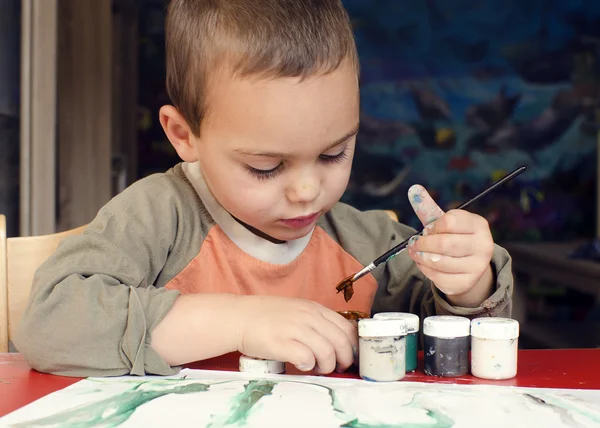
(258, 232)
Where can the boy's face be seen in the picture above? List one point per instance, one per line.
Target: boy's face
(277, 153)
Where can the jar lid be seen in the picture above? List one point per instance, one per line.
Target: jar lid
(495, 328)
(446, 326)
(370, 327)
(412, 320)
(258, 365)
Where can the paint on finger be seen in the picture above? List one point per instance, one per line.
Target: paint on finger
(428, 229)
(423, 204)
(434, 257)
(412, 240)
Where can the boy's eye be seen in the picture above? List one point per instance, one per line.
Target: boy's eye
(264, 174)
(334, 158)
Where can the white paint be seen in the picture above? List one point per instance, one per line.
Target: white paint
(382, 349)
(493, 358)
(260, 366)
(304, 401)
(446, 326)
(494, 348)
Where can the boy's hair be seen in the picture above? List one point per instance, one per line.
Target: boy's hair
(266, 38)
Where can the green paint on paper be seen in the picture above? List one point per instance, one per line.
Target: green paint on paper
(115, 410)
(439, 421)
(245, 402)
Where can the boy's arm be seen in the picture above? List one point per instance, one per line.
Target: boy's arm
(94, 303)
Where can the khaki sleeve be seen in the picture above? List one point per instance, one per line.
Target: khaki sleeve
(94, 303)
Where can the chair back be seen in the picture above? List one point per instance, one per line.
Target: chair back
(19, 260)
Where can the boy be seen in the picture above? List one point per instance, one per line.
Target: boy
(240, 246)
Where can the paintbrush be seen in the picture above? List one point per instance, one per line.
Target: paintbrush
(346, 284)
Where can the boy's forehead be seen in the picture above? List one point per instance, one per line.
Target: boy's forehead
(283, 148)
(260, 113)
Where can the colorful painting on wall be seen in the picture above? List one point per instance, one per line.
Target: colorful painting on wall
(217, 399)
(456, 94)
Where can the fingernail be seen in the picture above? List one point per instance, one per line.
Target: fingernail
(435, 258)
(304, 368)
(412, 241)
(338, 369)
(419, 253)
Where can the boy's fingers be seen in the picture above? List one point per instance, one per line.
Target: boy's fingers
(457, 222)
(322, 349)
(298, 354)
(346, 326)
(446, 264)
(423, 205)
(445, 244)
(438, 277)
(343, 335)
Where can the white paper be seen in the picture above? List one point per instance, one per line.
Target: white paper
(198, 398)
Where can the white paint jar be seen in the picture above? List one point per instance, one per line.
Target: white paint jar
(494, 348)
(382, 349)
(260, 366)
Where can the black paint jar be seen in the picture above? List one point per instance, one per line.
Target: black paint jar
(446, 350)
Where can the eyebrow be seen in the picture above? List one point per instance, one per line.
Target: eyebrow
(285, 155)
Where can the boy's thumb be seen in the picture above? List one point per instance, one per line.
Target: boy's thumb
(423, 205)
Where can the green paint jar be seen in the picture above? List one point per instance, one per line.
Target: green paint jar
(412, 336)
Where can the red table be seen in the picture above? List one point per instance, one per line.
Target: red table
(572, 369)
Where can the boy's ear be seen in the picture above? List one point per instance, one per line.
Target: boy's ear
(178, 132)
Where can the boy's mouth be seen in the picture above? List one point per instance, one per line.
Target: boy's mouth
(300, 222)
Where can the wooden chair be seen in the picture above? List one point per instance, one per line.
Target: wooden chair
(392, 214)
(19, 259)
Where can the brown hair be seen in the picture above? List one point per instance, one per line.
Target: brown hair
(268, 38)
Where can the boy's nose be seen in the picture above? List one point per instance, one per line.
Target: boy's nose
(304, 191)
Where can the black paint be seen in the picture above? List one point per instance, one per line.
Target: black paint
(446, 357)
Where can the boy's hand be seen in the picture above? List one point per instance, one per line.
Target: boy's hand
(455, 251)
(303, 333)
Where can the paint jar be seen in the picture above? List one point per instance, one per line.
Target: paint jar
(412, 335)
(446, 340)
(494, 348)
(260, 366)
(353, 316)
(382, 349)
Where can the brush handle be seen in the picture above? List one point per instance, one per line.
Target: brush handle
(401, 246)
